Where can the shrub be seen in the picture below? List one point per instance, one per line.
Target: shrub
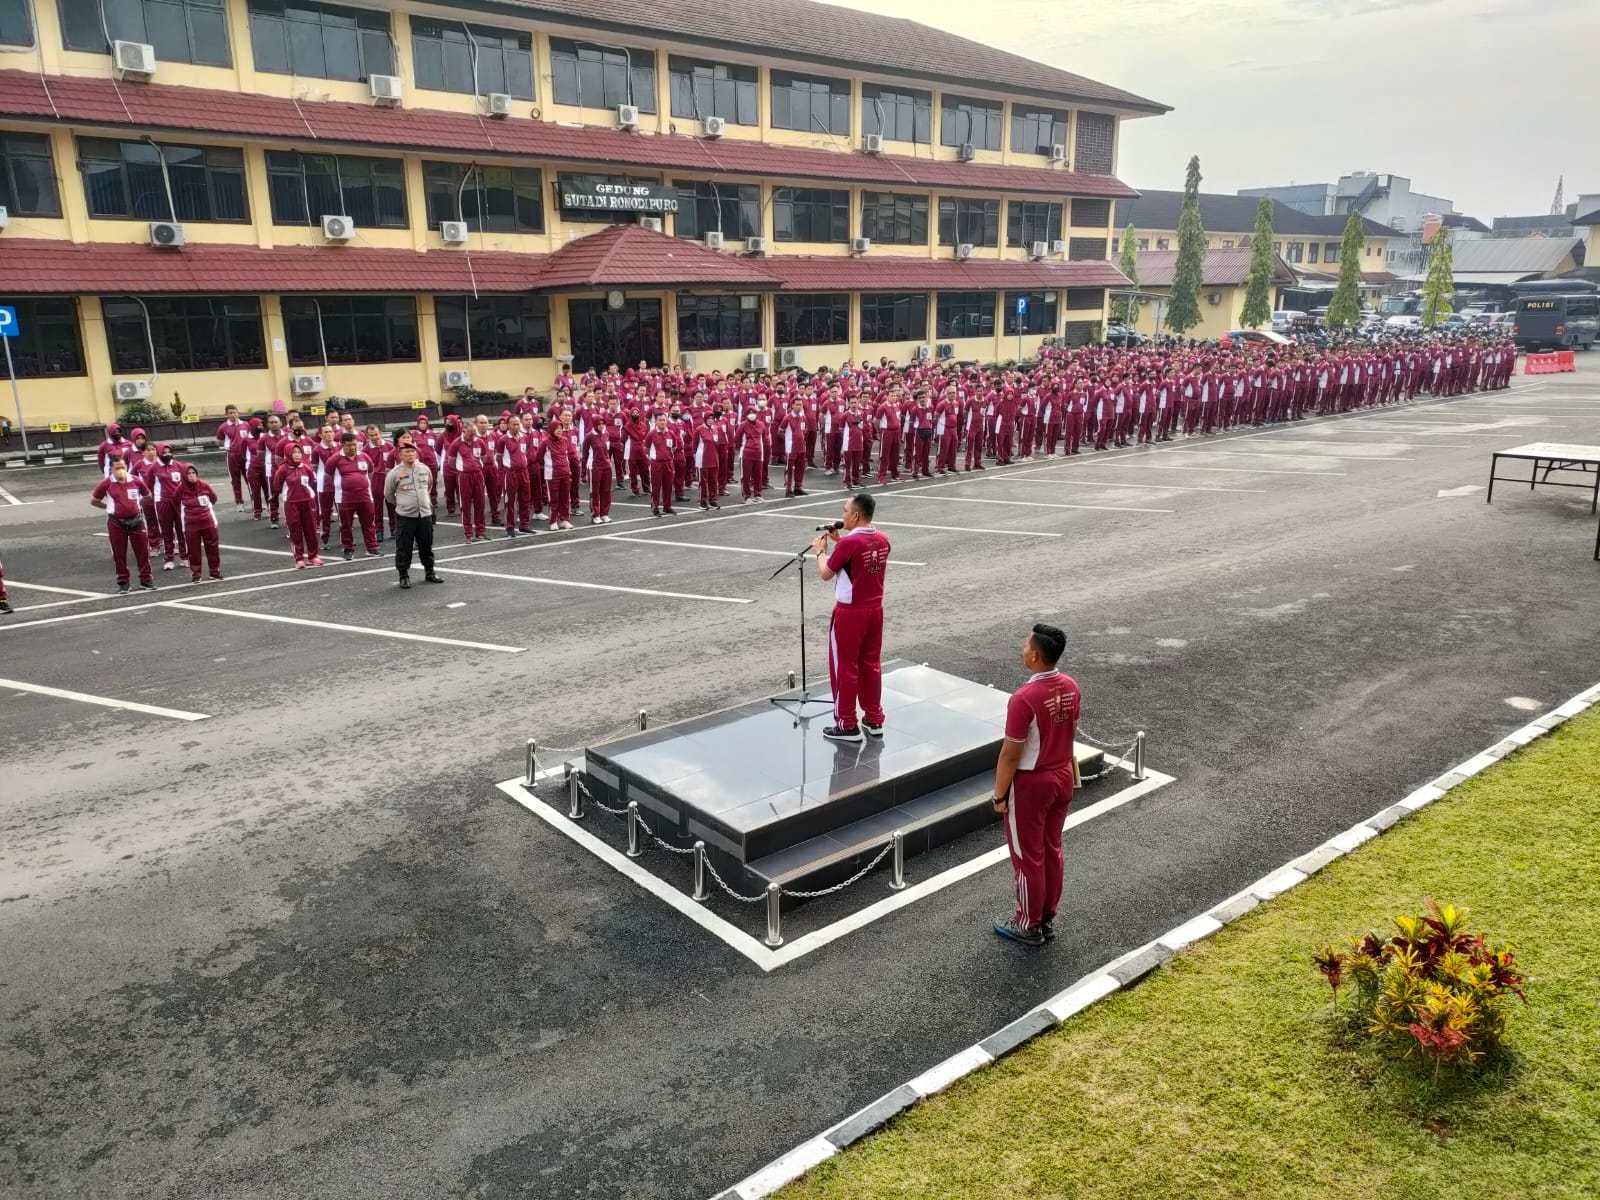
(142, 412)
(1431, 994)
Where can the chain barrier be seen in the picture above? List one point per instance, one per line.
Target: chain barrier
(561, 752)
(839, 887)
(723, 884)
(600, 804)
(1112, 761)
(664, 844)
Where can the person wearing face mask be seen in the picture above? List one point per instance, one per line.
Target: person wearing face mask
(122, 496)
(661, 446)
(793, 432)
(165, 480)
(555, 464)
(199, 503)
(597, 458)
(468, 455)
(751, 439)
(637, 432)
(295, 484)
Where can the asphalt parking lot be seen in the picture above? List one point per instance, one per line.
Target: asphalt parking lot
(284, 937)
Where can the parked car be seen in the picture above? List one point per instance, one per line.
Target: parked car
(1403, 321)
(1267, 337)
(1118, 334)
(1286, 319)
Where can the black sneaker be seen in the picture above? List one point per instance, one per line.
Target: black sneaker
(1017, 933)
(123, 589)
(405, 581)
(430, 577)
(147, 585)
(872, 731)
(349, 555)
(835, 733)
(801, 492)
(5, 606)
(1048, 928)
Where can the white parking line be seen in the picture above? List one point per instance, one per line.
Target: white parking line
(1032, 504)
(257, 550)
(626, 538)
(1282, 454)
(190, 606)
(1026, 477)
(60, 591)
(1164, 466)
(935, 528)
(597, 587)
(177, 714)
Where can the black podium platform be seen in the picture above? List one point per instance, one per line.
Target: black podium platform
(774, 800)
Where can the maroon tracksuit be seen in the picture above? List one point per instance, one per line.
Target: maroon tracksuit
(888, 417)
(124, 505)
(792, 430)
(511, 456)
(751, 438)
(199, 503)
(231, 437)
(166, 481)
(556, 467)
(597, 453)
(350, 478)
(859, 562)
(295, 485)
(467, 457)
(708, 461)
(661, 446)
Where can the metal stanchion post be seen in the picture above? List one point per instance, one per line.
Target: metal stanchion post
(531, 766)
(633, 829)
(774, 917)
(898, 880)
(574, 796)
(700, 892)
(643, 720)
(791, 681)
(1138, 756)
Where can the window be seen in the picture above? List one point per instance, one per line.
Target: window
(1091, 214)
(48, 342)
(1330, 252)
(190, 333)
(977, 121)
(962, 219)
(1161, 244)
(821, 319)
(186, 31)
(894, 219)
(1311, 252)
(125, 179)
(571, 181)
(1297, 252)
(901, 115)
(894, 316)
(302, 37)
(351, 329)
(1029, 221)
(1277, 248)
(492, 200)
(589, 76)
(964, 315)
(1078, 333)
(450, 56)
(27, 176)
(500, 327)
(1081, 298)
(810, 215)
(703, 89)
(810, 103)
(1035, 130)
(1087, 249)
(16, 23)
(1227, 244)
(304, 188)
(719, 322)
(733, 208)
(1144, 244)
(1040, 317)
(1097, 134)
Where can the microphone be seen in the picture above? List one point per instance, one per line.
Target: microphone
(830, 528)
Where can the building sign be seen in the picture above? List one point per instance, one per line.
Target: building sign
(599, 193)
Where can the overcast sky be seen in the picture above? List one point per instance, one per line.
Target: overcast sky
(1485, 102)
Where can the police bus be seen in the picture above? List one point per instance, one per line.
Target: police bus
(1556, 314)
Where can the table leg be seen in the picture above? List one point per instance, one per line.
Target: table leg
(1494, 465)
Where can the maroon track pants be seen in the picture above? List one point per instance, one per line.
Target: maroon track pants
(1034, 816)
(855, 648)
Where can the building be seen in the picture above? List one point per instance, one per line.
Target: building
(1309, 245)
(1222, 288)
(1485, 268)
(1312, 199)
(1569, 222)
(1386, 199)
(252, 202)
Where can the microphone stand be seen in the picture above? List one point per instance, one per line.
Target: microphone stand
(798, 711)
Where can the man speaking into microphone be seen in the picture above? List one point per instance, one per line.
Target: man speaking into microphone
(857, 564)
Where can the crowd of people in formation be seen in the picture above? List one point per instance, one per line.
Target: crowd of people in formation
(682, 438)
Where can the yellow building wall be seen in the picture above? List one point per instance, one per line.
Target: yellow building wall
(1215, 319)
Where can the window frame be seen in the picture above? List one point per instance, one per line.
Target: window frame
(634, 84)
(1330, 253)
(950, 307)
(17, 33)
(41, 153)
(805, 312)
(732, 97)
(29, 346)
(214, 173)
(798, 84)
(86, 30)
(166, 314)
(1023, 218)
(528, 309)
(1082, 249)
(905, 210)
(526, 183)
(1048, 124)
(959, 214)
(789, 202)
(738, 204)
(383, 216)
(718, 322)
(902, 309)
(298, 309)
(372, 32)
(458, 78)
(904, 108)
(1039, 303)
(985, 117)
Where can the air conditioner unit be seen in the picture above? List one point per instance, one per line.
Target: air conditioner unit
(306, 385)
(688, 359)
(651, 223)
(713, 126)
(757, 360)
(947, 350)
(924, 353)
(755, 245)
(714, 240)
(497, 104)
(1213, 298)
(860, 245)
(968, 152)
(386, 89)
(134, 58)
(1038, 249)
(788, 356)
(338, 229)
(5, 217)
(1059, 246)
(627, 116)
(964, 250)
(166, 233)
(456, 377)
(131, 389)
(873, 143)
(1058, 152)
(453, 233)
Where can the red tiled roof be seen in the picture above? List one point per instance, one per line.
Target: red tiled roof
(37, 267)
(158, 106)
(1223, 268)
(847, 37)
(803, 273)
(633, 256)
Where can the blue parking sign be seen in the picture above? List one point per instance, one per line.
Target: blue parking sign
(1022, 306)
(8, 322)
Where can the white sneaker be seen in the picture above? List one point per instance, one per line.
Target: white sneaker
(238, 508)
(166, 566)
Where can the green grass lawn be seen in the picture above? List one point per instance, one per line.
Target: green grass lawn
(1217, 1076)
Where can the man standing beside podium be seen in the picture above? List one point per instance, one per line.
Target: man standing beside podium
(857, 564)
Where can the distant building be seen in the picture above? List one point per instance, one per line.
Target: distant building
(1386, 199)
(1487, 267)
(1222, 287)
(1563, 224)
(1313, 199)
